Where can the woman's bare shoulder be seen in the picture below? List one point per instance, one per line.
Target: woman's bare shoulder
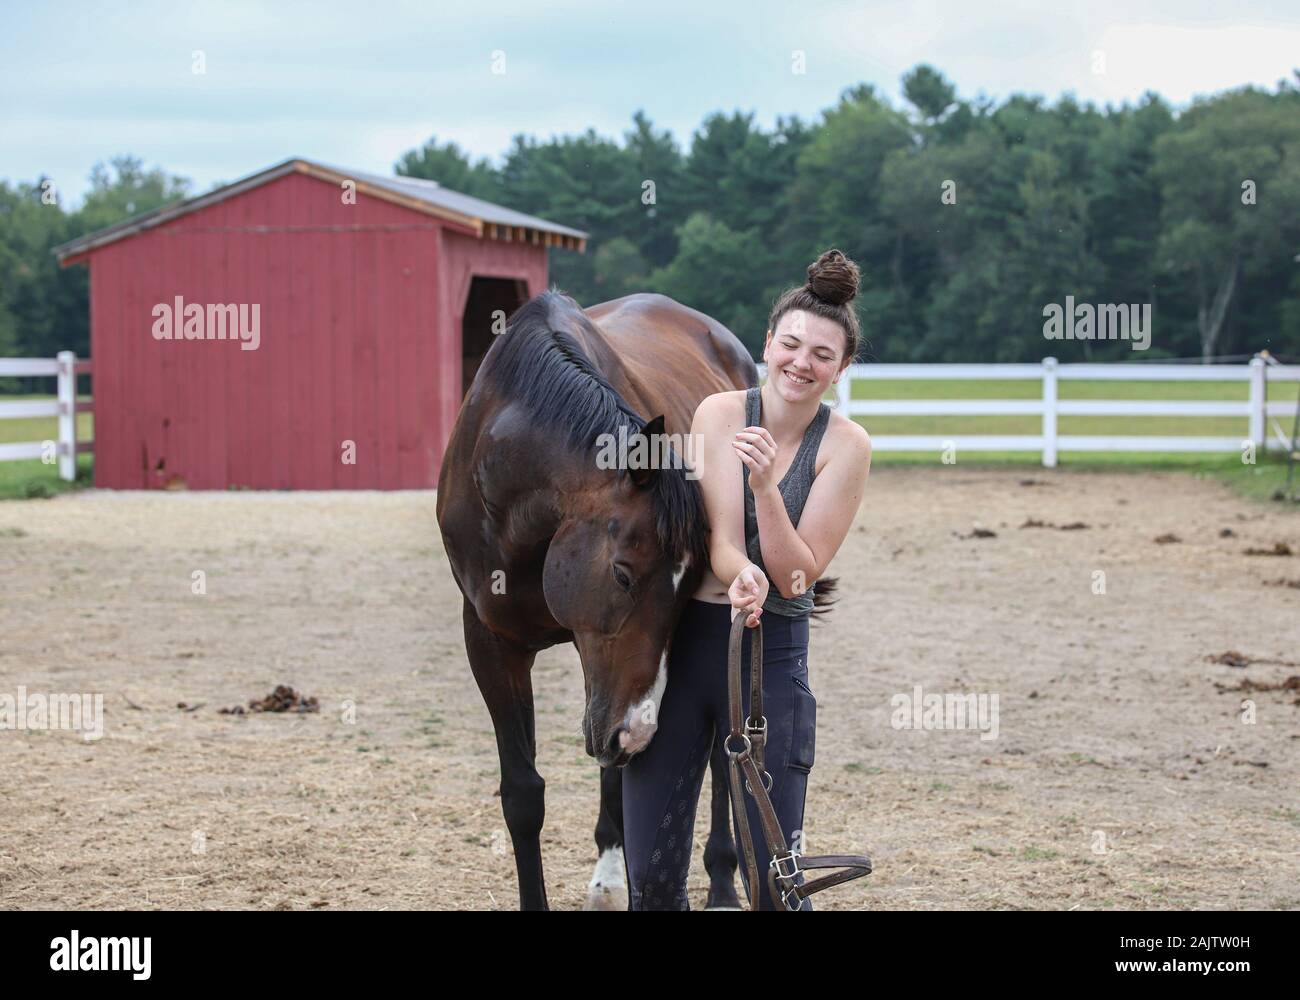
(723, 407)
(847, 438)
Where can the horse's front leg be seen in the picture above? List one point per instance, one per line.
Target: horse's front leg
(608, 889)
(504, 675)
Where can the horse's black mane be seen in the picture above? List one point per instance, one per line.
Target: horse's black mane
(541, 365)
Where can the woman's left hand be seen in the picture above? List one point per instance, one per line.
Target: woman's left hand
(757, 450)
(747, 593)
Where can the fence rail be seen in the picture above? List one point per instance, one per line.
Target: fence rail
(1257, 410)
(1259, 413)
(65, 369)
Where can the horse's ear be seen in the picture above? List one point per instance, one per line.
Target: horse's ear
(654, 450)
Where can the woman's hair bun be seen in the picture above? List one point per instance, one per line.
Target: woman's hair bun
(833, 278)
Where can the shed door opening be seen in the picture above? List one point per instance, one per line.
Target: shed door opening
(486, 296)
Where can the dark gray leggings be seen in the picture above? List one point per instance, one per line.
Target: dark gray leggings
(661, 785)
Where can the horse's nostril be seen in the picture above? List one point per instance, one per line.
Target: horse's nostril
(614, 743)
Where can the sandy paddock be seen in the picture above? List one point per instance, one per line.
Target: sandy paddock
(1121, 777)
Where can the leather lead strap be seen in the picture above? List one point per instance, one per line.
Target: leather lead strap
(751, 735)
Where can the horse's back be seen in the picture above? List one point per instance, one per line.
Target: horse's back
(674, 355)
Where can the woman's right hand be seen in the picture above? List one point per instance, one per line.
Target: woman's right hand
(748, 592)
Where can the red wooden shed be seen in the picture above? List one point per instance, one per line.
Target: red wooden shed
(307, 327)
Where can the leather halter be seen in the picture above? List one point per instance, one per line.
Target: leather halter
(751, 733)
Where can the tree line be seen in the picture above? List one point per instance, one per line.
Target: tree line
(970, 219)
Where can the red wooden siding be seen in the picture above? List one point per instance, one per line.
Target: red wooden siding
(360, 340)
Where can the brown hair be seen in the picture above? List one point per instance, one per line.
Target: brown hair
(829, 293)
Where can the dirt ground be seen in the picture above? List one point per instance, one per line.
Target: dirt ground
(1121, 777)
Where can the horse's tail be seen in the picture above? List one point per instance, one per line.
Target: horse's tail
(822, 595)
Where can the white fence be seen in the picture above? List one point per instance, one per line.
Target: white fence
(65, 368)
(1259, 413)
(1256, 409)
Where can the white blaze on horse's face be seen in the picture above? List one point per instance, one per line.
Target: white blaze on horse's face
(680, 572)
(642, 719)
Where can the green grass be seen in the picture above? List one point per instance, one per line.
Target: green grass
(17, 430)
(31, 478)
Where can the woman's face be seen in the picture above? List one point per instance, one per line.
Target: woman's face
(804, 355)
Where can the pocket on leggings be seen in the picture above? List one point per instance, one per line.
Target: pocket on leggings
(803, 741)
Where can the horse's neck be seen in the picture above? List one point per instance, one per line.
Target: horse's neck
(608, 361)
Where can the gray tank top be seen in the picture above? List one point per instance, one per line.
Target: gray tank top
(794, 489)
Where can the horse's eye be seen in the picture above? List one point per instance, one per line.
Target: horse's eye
(621, 577)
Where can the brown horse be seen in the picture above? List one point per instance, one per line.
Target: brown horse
(548, 544)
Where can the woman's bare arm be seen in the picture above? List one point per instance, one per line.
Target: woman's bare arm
(797, 557)
(717, 419)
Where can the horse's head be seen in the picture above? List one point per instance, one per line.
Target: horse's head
(626, 557)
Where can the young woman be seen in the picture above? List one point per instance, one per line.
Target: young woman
(782, 477)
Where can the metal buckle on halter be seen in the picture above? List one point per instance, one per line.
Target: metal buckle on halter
(792, 858)
(759, 733)
(788, 877)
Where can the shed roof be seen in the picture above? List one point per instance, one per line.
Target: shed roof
(484, 218)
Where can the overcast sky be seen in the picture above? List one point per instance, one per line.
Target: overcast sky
(358, 84)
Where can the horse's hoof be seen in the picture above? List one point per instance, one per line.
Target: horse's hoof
(608, 889)
(722, 899)
(606, 898)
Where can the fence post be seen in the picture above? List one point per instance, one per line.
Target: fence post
(1049, 412)
(67, 379)
(1258, 400)
(843, 390)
